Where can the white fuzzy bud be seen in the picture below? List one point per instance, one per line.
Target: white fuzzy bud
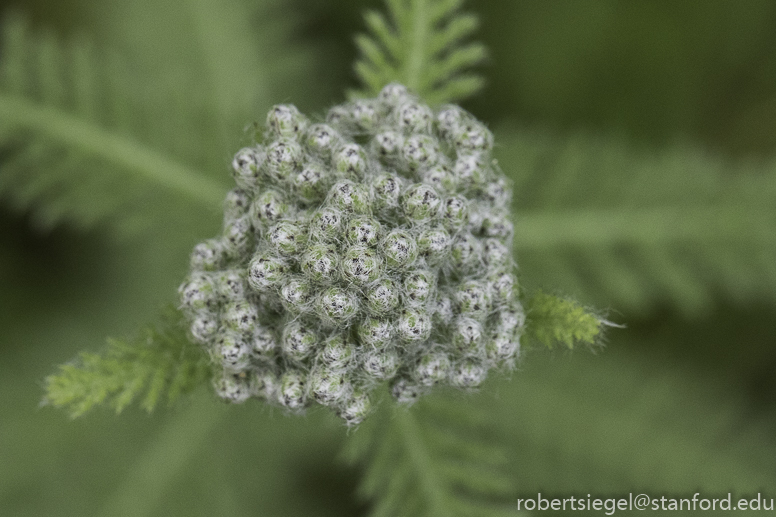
(246, 168)
(361, 265)
(240, 316)
(298, 341)
(467, 337)
(233, 351)
(322, 139)
(383, 297)
(399, 249)
(418, 288)
(284, 120)
(375, 247)
(328, 386)
(284, 157)
(231, 387)
(381, 364)
(356, 408)
(268, 208)
(337, 352)
(293, 390)
(412, 117)
(350, 161)
(336, 306)
(207, 255)
(413, 325)
(468, 374)
(432, 369)
(263, 343)
(320, 263)
(421, 203)
(265, 272)
(375, 333)
(204, 327)
(406, 392)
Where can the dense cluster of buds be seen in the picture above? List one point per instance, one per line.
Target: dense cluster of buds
(372, 247)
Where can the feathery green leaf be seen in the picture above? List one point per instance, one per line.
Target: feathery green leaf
(431, 460)
(555, 321)
(159, 363)
(421, 44)
(633, 228)
(83, 138)
(619, 420)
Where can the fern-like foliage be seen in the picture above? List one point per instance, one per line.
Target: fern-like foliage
(434, 459)
(554, 321)
(91, 137)
(615, 421)
(631, 229)
(421, 44)
(158, 364)
(75, 130)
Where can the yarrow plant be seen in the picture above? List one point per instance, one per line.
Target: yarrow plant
(372, 247)
(369, 247)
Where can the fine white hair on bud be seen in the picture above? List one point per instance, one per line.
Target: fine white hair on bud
(399, 249)
(336, 306)
(364, 231)
(413, 117)
(239, 316)
(233, 351)
(246, 167)
(386, 190)
(204, 327)
(361, 265)
(263, 343)
(299, 340)
(375, 247)
(268, 208)
(354, 410)
(283, 158)
(338, 352)
(288, 238)
(236, 205)
(387, 146)
(406, 391)
(284, 120)
(413, 325)
(328, 386)
(468, 374)
(232, 387)
(393, 94)
(198, 294)
(421, 203)
(375, 333)
(432, 368)
(293, 389)
(350, 161)
(381, 364)
(383, 297)
(207, 255)
(321, 140)
(265, 272)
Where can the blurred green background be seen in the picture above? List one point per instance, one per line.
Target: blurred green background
(680, 401)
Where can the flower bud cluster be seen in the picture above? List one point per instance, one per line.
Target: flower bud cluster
(372, 247)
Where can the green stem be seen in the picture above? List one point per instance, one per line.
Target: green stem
(421, 461)
(121, 150)
(416, 59)
(653, 226)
